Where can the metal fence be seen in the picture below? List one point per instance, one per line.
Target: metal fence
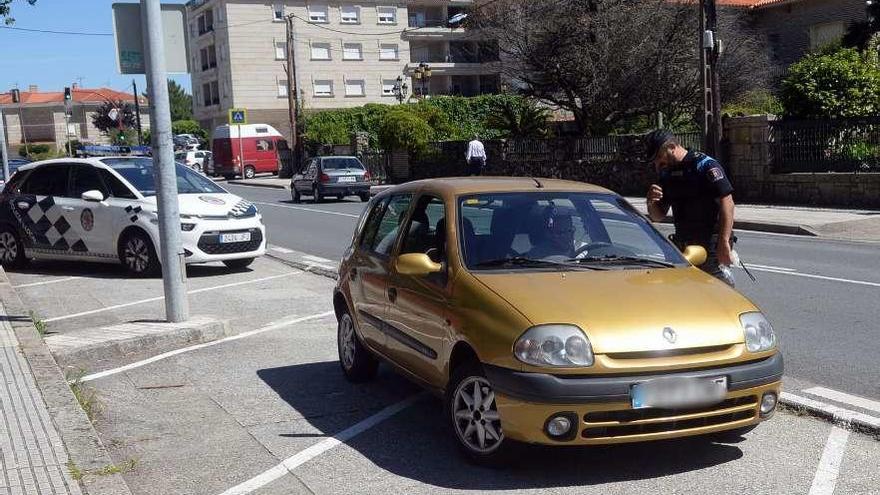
(831, 145)
(378, 163)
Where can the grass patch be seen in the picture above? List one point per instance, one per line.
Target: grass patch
(39, 324)
(74, 470)
(110, 469)
(85, 395)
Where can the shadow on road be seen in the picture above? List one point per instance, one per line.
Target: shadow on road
(416, 443)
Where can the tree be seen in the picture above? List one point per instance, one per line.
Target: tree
(842, 83)
(520, 119)
(115, 119)
(188, 127)
(6, 11)
(181, 102)
(609, 61)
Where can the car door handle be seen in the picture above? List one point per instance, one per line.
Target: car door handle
(392, 294)
(68, 208)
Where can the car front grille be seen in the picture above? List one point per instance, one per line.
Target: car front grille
(209, 242)
(605, 425)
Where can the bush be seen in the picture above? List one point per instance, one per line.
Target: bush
(404, 129)
(188, 127)
(33, 149)
(842, 83)
(759, 102)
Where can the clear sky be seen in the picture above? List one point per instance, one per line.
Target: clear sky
(53, 61)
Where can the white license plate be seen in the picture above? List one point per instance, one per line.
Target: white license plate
(678, 392)
(240, 237)
(348, 178)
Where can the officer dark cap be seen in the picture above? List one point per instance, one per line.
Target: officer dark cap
(654, 141)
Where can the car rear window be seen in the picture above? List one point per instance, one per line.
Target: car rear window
(341, 163)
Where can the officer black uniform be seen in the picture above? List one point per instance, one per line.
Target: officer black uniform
(692, 188)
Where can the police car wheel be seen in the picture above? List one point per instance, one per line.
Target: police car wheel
(11, 249)
(138, 255)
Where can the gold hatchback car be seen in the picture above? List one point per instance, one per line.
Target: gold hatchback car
(549, 312)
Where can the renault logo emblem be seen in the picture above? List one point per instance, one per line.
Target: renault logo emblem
(670, 335)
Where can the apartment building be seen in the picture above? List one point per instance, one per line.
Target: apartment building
(347, 54)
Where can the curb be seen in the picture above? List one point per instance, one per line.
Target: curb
(773, 228)
(255, 183)
(306, 267)
(851, 420)
(84, 447)
(195, 331)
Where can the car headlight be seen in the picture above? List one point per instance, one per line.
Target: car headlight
(554, 345)
(186, 227)
(758, 332)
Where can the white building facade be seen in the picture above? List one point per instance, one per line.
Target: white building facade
(346, 55)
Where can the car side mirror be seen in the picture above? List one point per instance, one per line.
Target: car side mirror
(94, 196)
(417, 264)
(696, 255)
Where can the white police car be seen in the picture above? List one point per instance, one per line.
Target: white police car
(104, 209)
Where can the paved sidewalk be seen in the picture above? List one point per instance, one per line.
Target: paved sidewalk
(32, 455)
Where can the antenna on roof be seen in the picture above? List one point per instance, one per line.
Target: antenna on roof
(538, 183)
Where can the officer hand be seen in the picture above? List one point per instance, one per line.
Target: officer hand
(655, 193)
(723, 253)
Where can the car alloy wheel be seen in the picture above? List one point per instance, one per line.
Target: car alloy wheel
(8, 248)
(136, 254)
(475, 415)
(346, 341)
(249, 173)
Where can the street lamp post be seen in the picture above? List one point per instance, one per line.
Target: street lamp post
(400, 89)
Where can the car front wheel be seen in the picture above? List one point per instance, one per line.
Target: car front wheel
(473, 413)
(11, 248)
(356, 361)
(137, 254)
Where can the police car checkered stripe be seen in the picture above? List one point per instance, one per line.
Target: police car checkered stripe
(44, 222)
(240, 208)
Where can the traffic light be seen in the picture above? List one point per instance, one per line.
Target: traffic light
(67, 95)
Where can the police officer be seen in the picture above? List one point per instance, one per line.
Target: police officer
(696, 187)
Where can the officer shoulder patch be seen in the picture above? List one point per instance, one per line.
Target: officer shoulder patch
(716, 174)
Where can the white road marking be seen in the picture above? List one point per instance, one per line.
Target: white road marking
(844, 398)
(838, 414)
(159, 298)
(46, 282)
(753, 265)
(316, 259)
(272, 326)
(304, 208)
(281, 249)
(303, 456)
(820, 277)
(829, 465)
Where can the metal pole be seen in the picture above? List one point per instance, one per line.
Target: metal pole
(715, 55)
(137, 112)
(3, 152)
(170, 250)
(27, 150)
(67, 127)
(240, 153)
(292, 100)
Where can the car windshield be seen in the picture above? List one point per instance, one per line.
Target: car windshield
(534, 229)
(341, 163)
(139, 172)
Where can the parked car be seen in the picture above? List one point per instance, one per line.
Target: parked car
(195, 160)
(338, 176)
(549, 312)
(255, 151)
(104, 210)
(14, 164)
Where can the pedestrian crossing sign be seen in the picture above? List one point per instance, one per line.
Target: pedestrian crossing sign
(237, 116)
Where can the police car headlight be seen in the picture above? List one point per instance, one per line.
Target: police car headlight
(557, 346)
(758, 332)
(186, 227)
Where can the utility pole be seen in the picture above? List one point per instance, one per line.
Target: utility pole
(292, 95)
(16, 98)
(68, 101)
(171, 251)
(137, 112)
(4, 156)
(711, 124)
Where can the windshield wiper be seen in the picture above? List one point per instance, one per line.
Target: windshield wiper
(523, 261)
(624, 259)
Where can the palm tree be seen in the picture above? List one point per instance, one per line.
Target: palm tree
(520, 119)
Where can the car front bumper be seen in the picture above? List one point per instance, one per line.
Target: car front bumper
(201, 245)
(603, 411)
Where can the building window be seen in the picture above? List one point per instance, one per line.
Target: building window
(278, 11)
(320, 51)
(318, 13)
(206, 22)
(826, 33)
(388, 52)
(282, 88)
(212, 56)
(352, 51)
(204, 55)
(192, 30)
(280, 50)
(323, 88)
(215, 93)
(206, 94)
(388, 87)
(349, 14)
(354, 87)
(387, 15)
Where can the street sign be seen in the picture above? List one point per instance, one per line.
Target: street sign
(130, 58)
(237, 116)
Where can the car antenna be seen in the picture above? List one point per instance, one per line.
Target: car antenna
(538, 183)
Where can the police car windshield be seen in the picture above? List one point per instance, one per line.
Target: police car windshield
(139, 172)
(580, 229)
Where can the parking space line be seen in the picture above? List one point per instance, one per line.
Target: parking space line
(159, 298)
(280, 249)
(753, 265)
(810, 275)
(829, 465)
(303, 208)
(853, 400)
(46, 282)
(303, 456)
(165, 355)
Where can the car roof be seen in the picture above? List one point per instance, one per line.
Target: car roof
(454, 186)
(86, 161)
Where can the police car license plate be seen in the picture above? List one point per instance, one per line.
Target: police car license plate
(678, 392)
(348, 178)
(239, 237)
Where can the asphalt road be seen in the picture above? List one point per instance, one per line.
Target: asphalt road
(827, 328)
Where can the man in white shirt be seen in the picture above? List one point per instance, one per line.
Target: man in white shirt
(476, 157)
